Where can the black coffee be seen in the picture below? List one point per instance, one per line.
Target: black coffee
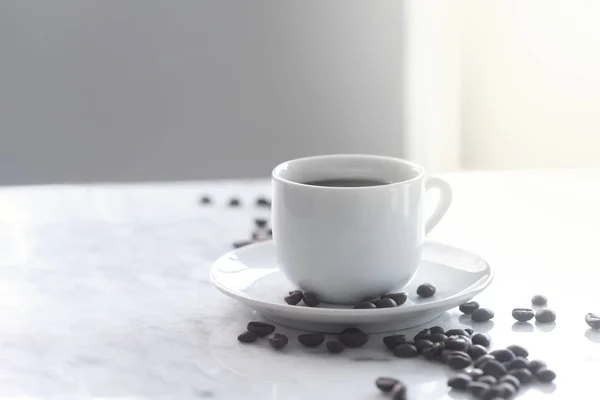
(347, 182)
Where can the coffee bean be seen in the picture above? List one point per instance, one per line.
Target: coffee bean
(422, 344)
(294, 297)
(464, 338)
(278, 341)
(460, 381)
(481, 339)
(470, 331)
(386, 384)
(431, 353)
(353, 337)
(539, 300)
(489, 379)
(459, 360)
(261, 329)
(437, 329)
(364, 305)
(476, 351)
(523, 314)
(482, 315)
(457, 344)
(503, 355)
(438, 337)
(406, 351)
(545, 375)
(399, 298)
(475, 373)
(510, 380)
(335, 347)
(310, 299)
(386, 303)
(234, 202)
(206, 200)
(518, 351)
(311, 339)
(477, 388)
(423, 334)
(493, 393)
(519, 362)
(263, 202)
(457, 332)
(247, 337)
(391, 342)
(509, 390)
(426, 290)
(593, 320)
(535, 365)
(468, 307)
(522, 374)
(398, 392)
(494, 368)
(242, 243)
(260, 222)
(545, 316)
(481, 361)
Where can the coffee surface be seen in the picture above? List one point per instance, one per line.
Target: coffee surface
(347, 182)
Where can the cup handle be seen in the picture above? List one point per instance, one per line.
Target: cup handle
(432, 182)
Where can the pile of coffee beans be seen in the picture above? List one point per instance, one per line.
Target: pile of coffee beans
(477, 313)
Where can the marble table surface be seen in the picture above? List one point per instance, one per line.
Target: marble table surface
(104, 292)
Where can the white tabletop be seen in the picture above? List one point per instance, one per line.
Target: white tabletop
(104, 292)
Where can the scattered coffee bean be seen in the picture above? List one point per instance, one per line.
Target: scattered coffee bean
(206, 200)
(335, 347)
(386, 384)
(398, 392)
(494, 368)
(364, 305)
(247, 337)
(522, 374)
(438, 337)
(476, 351)
(535, 365)
(511, 380)
(311, 339)
(406, 350)
(593, 320)
(423, 334)
(482, 315)
(475, 373)
(460, 381)
(545, 375)
(426, 290)
(459, 360)
(242, 243)
(386, 303)
(294, 297)
(489, 379)
(523, 314)
(263, 202)
(468, 307)
(437, 329)
(310, 299)
(234, 202)
(539, 300)
(278, 341)
(422, 344)
(391, 342)
(503, 355)
(400, 298)
(457, 332)
(261, 329)
(456, 344)
(545, 315)
(509, 390)
(481, 339)
(519, 362)
(353, 337)
(519, 351)
(470, 331)
(260, 222)
(481, 361)
(476, 388)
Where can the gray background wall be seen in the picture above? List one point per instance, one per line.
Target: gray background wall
(153, 90)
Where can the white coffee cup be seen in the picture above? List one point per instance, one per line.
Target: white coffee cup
(346, 244)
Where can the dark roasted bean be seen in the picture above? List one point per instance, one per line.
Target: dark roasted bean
(545, 375)
(436, 329)
(457, 344)
(294, 297)
(481, 339)
(278, 341)
(545, 316)
(364, 305)
(482, 315)
(399, 298)
(458, 360)
(518, 351)
(422, 344)
(353, 337)
(522, 374)
(466, 339)
(519, 362)
(593, 320)
(535, 365)
(489, 379)
(394, 340)
(260, 222)
(247, 337)
(476, 351)
(311, 339)
(426, 290)
(386, 384)
(457, 332)
(539, 300)
(406, 351)
(398, 392)
(460, 381)
(263, 202)
(335, 347)
(310, 299)
(386, 303)
(234, 202)
(438, 337)
(468, 307)
(503, 355)
(480, 362)
(206, 200)
(477, 388)
(262, 329)
(475, 373)
(511, 380)
(470, 331)
(242, 243)
(523, 314)
(423, 334)
(494, 368)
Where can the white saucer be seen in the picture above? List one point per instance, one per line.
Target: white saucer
(252, 276)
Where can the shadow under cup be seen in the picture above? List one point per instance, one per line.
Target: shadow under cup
(348, 243)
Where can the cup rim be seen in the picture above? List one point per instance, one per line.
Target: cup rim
(276, 175)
